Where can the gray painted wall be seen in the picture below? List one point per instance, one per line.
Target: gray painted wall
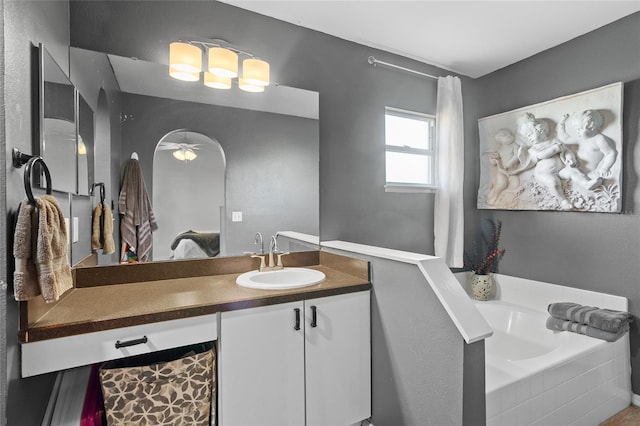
(417, 354)
(591, 251)
(272, 161)
(353, 94)
(24, 23)
(93, 77)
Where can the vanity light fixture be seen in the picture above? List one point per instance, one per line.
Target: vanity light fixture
(185, 63)
(223, 62)
(247, 87)
(82, 148)
(216, 82)
(255, 72)
(184, 154)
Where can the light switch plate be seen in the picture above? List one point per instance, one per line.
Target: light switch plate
(236, 216)
(66, 225)
(76, 227)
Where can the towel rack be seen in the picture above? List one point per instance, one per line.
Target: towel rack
(93, 187)
(19, 159)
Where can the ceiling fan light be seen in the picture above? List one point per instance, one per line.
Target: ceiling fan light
(183, 75)
(223, 62)
(185, 57)
(184, 154)
(216, 82)
(247, 87)
(255, 71)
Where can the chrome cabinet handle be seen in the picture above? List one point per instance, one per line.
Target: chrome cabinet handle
(133, 342)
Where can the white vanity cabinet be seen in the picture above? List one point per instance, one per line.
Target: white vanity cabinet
(299, 363)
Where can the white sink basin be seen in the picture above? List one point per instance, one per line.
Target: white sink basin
(280, 279)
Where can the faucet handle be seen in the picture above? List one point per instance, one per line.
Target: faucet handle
(280, 259)
(261, 257)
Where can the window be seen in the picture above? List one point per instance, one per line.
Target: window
(410, 151)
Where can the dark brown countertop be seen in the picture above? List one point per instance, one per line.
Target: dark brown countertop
(103, 307)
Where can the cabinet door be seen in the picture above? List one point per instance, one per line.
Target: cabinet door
(338, 359)
(262, 366)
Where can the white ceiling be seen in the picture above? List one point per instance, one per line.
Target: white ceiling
(471, 38)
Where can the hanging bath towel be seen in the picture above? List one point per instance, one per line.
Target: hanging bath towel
(40, 249)
(137, 221)
(102, 229)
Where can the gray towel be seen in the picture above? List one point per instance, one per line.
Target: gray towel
(604, 319)
(557, 324)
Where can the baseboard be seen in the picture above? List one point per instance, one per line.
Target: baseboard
(635, 399)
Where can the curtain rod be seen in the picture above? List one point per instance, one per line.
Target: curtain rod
(373, 61)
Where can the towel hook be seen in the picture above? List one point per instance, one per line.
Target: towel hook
(19, 159)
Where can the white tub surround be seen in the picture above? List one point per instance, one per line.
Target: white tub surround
(470, 323)
(543, 377)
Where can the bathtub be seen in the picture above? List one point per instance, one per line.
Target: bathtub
(543, 377)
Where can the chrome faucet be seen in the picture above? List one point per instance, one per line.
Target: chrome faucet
(258, 240)
(273, 248)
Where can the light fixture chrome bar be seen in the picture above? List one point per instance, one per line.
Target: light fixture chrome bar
(218, 43)
(373, 61)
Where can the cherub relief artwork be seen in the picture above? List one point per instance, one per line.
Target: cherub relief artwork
(564, 155)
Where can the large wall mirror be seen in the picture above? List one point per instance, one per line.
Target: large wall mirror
(269, 140)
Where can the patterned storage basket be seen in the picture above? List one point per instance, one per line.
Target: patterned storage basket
(176, 392)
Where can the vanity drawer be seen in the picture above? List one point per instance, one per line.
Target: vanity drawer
(67, 352)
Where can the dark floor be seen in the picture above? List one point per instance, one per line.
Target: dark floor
(627, 417)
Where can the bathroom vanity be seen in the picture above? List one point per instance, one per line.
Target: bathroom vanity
(287, 357)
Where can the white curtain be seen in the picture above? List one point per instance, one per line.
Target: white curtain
(449, 210)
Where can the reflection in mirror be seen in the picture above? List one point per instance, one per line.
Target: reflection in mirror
(59, 149)
(191, 167)
(270, 142)
(57, 123)
(85, 146)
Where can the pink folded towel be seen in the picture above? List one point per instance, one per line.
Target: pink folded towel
(40, 248)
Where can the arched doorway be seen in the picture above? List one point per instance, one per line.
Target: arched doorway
(188, 195)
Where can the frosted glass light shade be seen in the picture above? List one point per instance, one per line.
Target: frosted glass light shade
(223, 62)
(247, 87)
(183, 75)
(184, 154)
(184, 57)
(255, 71)
(216, 82)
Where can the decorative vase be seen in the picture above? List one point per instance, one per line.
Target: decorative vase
(481, 286)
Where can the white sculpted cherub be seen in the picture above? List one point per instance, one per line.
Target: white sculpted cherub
(546, 155)
(596, 151)
(504, 158)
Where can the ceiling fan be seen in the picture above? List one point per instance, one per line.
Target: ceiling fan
(163, 146)
(183, 151)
